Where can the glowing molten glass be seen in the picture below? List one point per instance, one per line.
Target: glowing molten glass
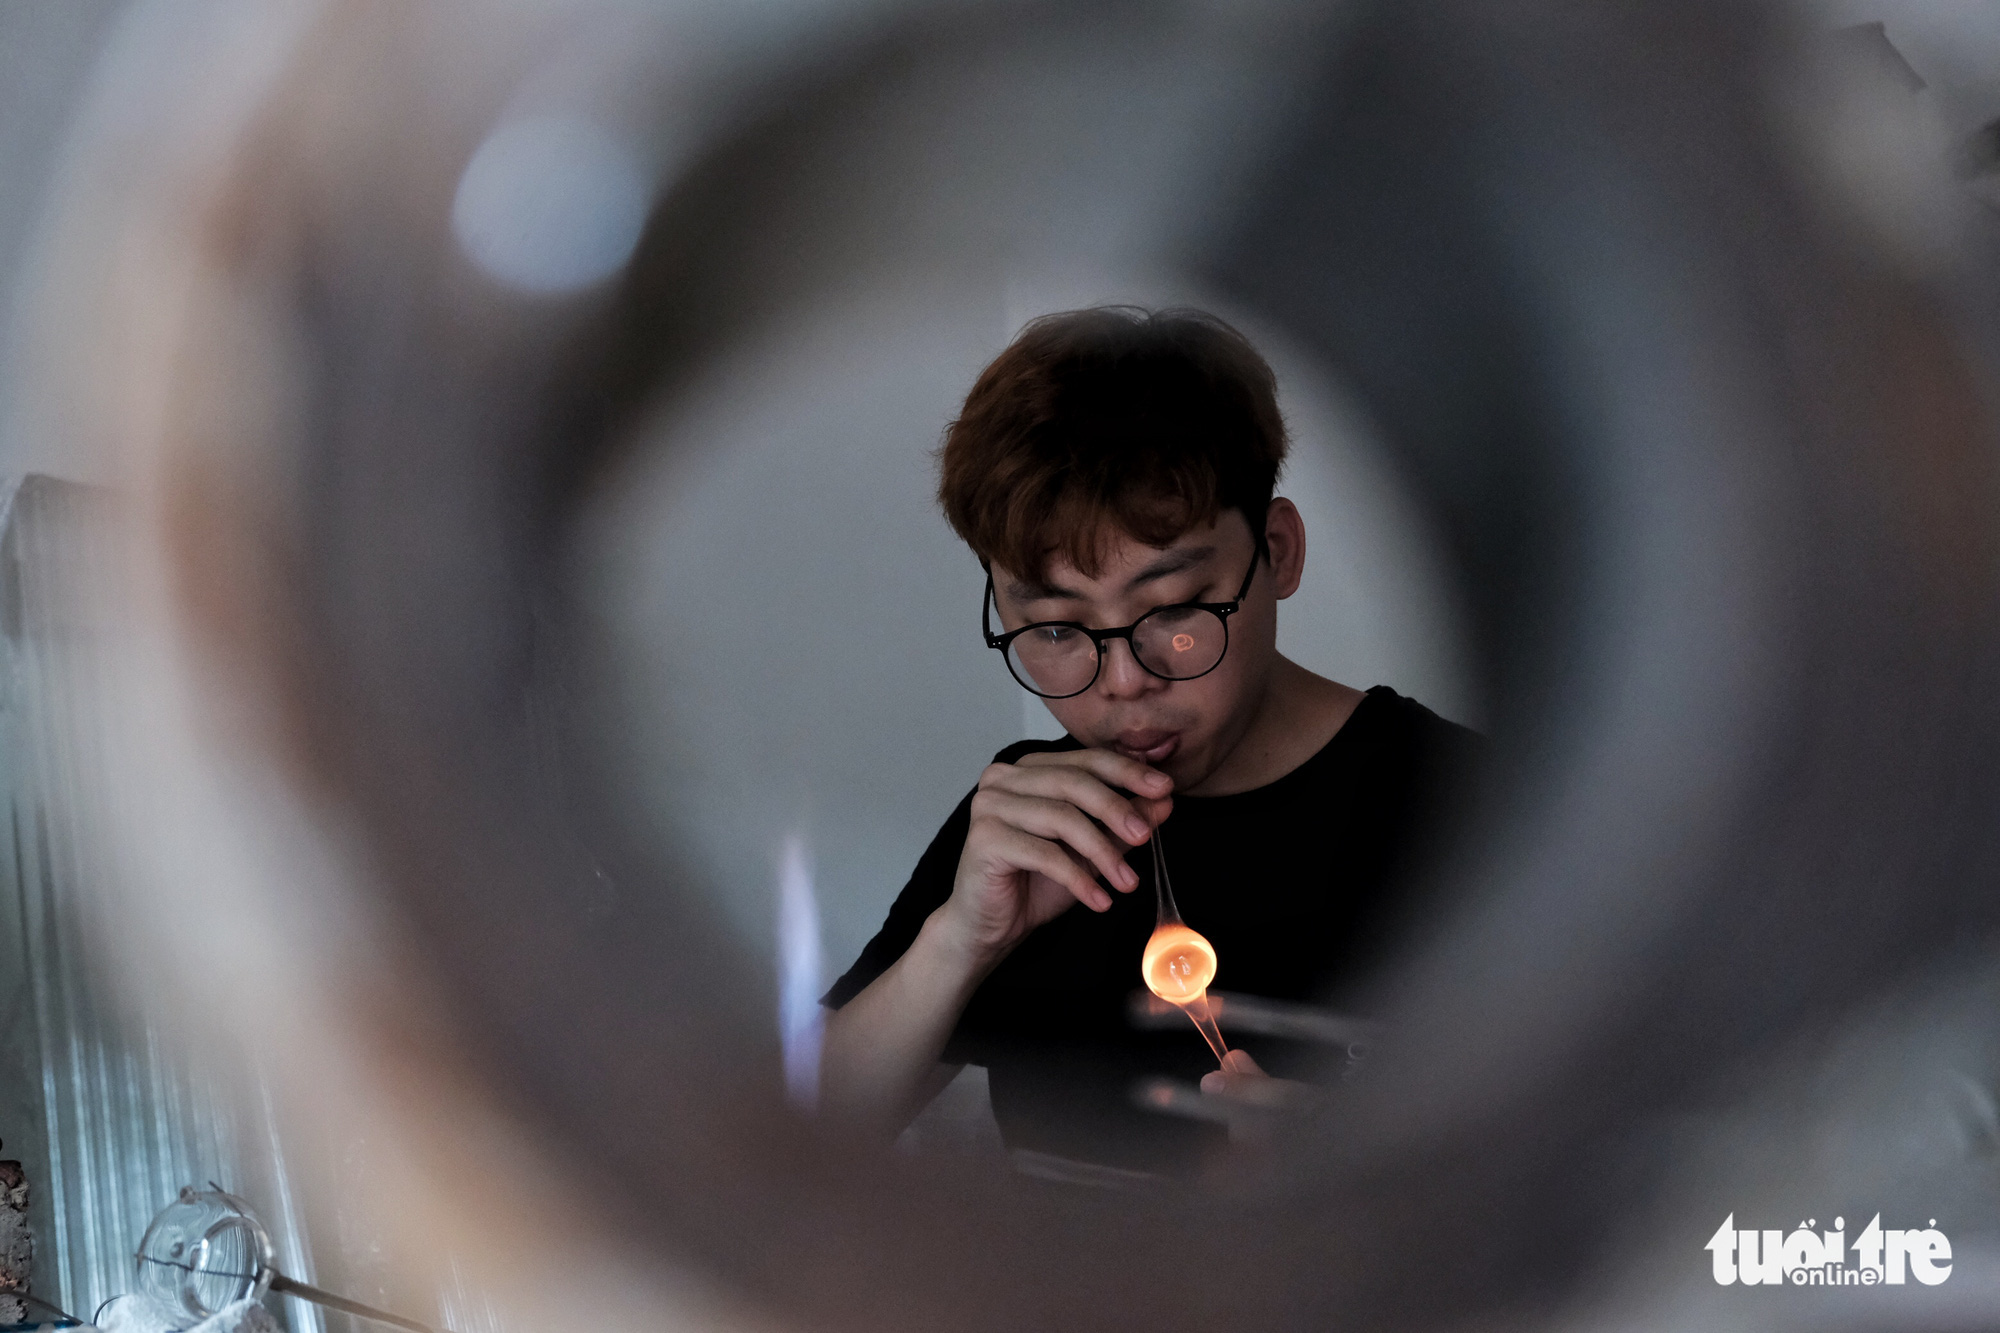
(1183, 642)
(1178, 964)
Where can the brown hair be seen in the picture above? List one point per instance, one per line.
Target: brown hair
(1108, 420)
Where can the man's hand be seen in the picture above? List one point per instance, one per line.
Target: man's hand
(1241, 1079)
(1044, 831)
(1255, 1101)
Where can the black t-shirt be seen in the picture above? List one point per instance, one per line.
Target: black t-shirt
(1294, 883)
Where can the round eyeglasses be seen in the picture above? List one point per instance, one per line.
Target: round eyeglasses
(1059, 659)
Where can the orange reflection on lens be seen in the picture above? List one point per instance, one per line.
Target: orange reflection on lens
(1183, 642)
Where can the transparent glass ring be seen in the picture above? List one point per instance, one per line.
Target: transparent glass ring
(204, 1252)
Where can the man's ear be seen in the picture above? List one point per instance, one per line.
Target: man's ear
(1285, 535)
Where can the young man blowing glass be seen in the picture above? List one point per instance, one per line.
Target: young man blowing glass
(1113, 469)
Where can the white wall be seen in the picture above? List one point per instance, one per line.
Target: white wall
(48, 49)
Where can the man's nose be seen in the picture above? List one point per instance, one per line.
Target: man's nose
(1121, 676)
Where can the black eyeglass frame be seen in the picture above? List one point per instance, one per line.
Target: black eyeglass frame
(1220, 610)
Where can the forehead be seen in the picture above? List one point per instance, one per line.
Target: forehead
(1123, 562)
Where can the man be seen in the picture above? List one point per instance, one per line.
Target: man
(1114, 470)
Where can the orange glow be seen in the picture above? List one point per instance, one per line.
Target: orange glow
(1183, 642)
(1178, 964)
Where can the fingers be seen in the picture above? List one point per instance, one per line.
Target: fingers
(1057, 815)
(1242, 1082)
(1238, 1069)
(1081, 785)
(1059, 821)
(1238, 1061)
(1023, 851)
(1108, 766)
(1238, 1073)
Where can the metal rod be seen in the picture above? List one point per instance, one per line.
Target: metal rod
(293, 1287)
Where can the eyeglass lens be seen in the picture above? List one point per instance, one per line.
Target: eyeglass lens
(1175, 642)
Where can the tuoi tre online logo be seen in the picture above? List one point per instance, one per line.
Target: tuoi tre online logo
(1819, 1259)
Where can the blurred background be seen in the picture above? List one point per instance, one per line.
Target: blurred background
(872, 386)
(869, 386)
(793, 718)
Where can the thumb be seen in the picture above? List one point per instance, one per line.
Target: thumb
(1239, 1062)
(1236, 1067)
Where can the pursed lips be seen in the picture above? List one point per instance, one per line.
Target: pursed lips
(1150, 747)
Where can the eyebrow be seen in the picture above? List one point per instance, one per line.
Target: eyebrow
(1168, 565)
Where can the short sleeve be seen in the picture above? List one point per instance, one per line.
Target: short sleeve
(929, 887)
